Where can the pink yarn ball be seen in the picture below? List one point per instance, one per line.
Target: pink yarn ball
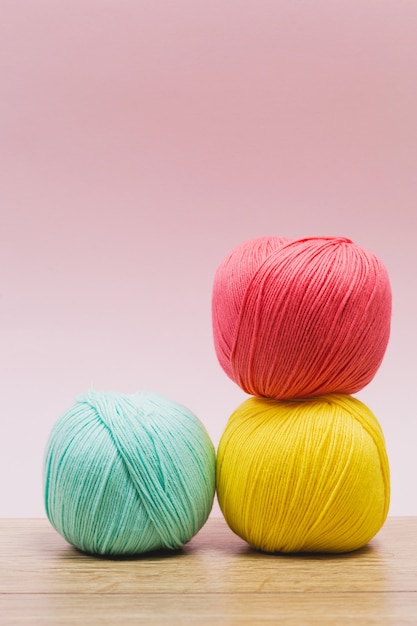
(297, 318)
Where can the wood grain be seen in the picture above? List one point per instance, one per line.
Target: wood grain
(215, 579)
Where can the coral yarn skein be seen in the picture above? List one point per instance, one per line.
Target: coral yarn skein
(297, 318)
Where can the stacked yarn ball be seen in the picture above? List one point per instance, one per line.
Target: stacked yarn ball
(298, 318)
(127, 474)
(301, 325)
(306, 475)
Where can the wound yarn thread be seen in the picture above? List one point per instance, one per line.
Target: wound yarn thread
(295, 318)
(127, 474)
(304, 475)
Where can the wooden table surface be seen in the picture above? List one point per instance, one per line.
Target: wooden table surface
(215, 579)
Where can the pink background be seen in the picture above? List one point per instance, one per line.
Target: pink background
(139, 142)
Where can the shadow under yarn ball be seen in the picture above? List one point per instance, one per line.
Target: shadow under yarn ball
(127, 474)
(295, 318)
(305, 475)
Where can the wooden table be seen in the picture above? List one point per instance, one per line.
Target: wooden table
(215, 579)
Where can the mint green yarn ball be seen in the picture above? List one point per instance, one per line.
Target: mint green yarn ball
(127, 474)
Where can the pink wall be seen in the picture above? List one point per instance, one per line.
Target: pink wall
(139, 142)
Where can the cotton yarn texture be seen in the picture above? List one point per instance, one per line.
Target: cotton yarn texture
(127, 474)
(295, 318)
(304, 475)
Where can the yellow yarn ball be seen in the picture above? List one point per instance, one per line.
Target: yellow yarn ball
(307, 475)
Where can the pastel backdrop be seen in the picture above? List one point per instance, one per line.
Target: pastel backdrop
(140, 142)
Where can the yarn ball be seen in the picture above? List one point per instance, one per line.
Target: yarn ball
(305, 475)
(127, 474)
(295, 318)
